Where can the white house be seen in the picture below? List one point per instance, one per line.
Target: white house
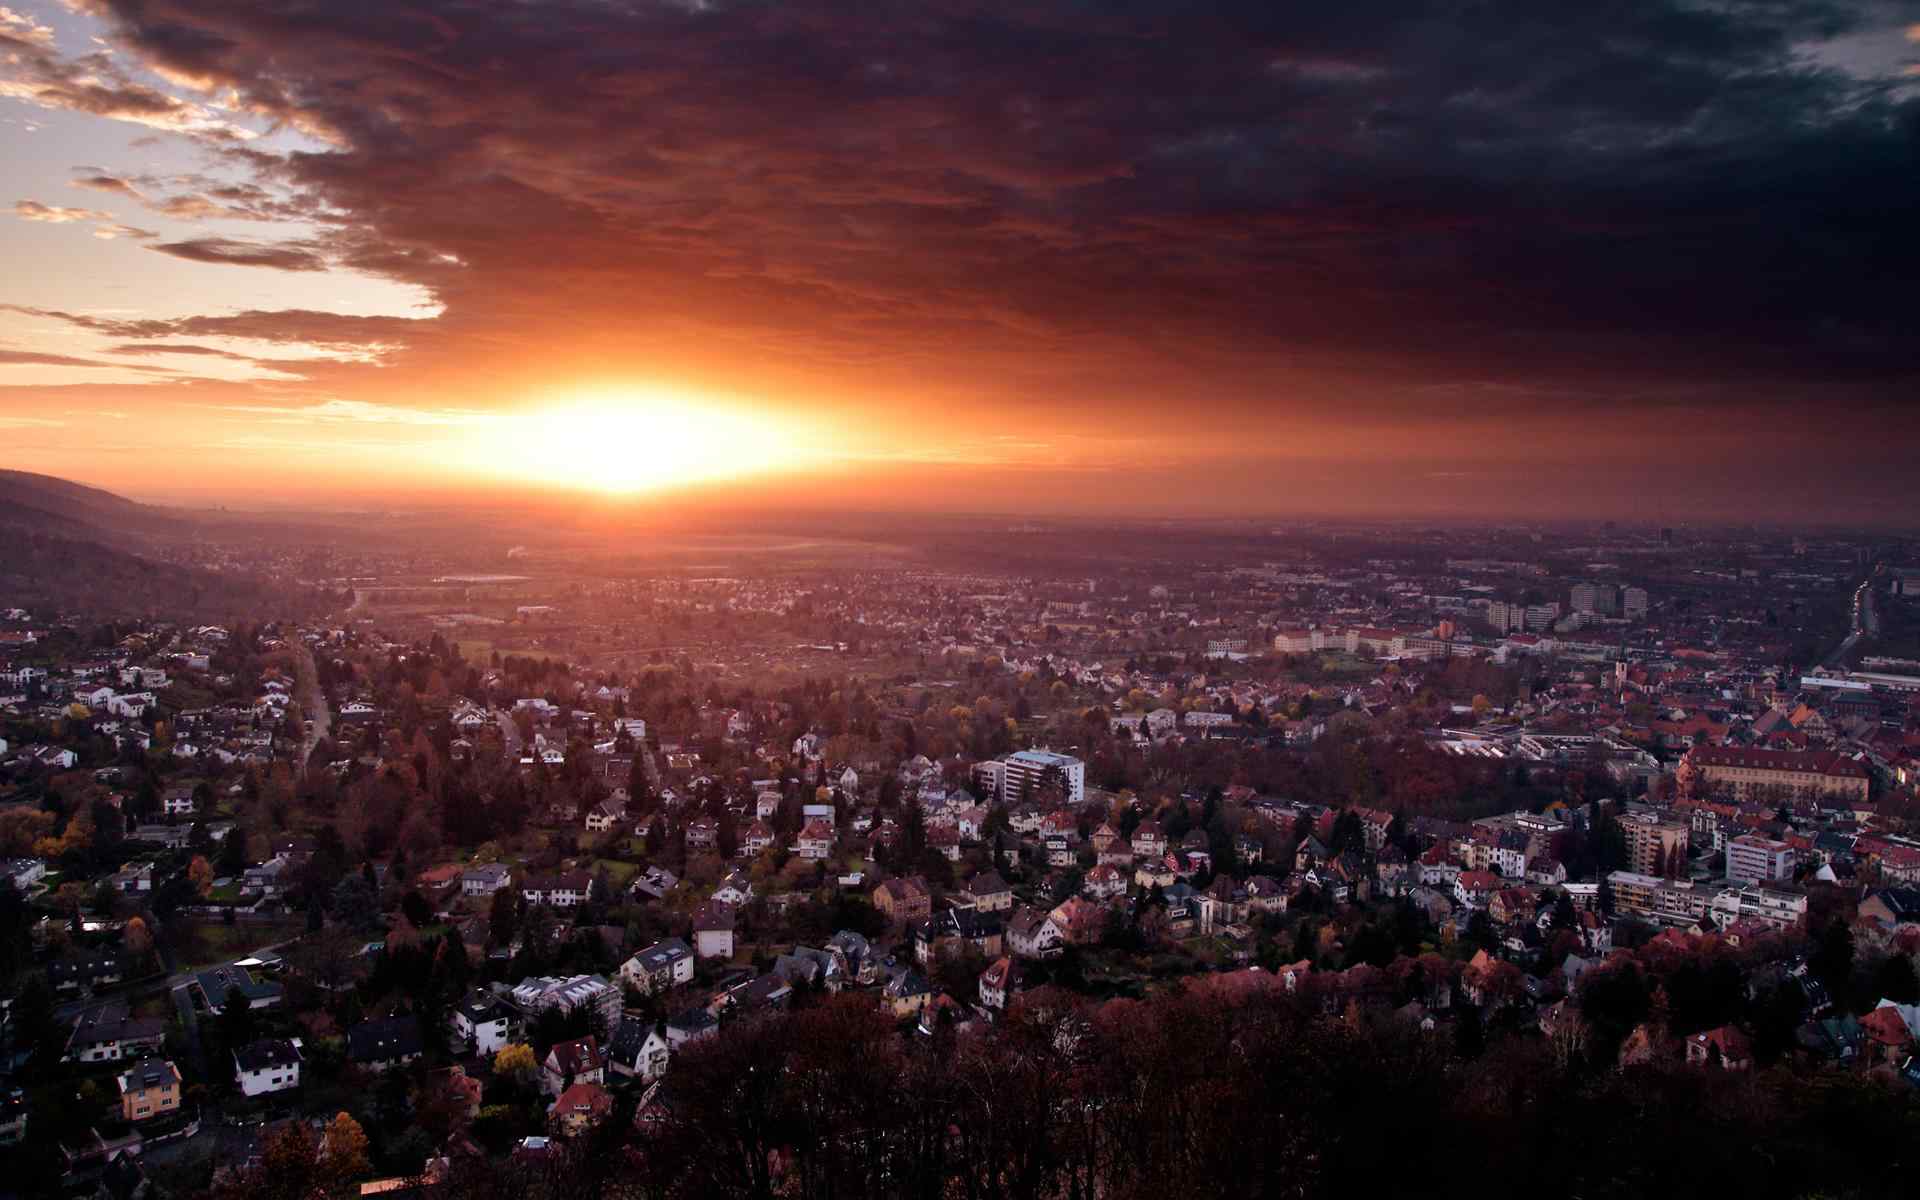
(713, 930)
(485, 880)
(482, 1021)
(659, 967)
(268, 1065)
(640, 1049)
(1032, 933)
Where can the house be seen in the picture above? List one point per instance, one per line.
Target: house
(713, 930)
(1725, 1047)
(567, 890)
(1892, 907)
(606, 816)
(268, 1065)
(573, 993)
(691, 1026)
(1033, 933)
(1081, 922)
(218, 986)
(579, 1108)
(1102, 883)
(815, 841)
(484, 880)
(904, 901)
(907, 992)
(736, 889)
(987, 892)
(1155, 873)
(945, 841)
(659, 967)
(640, 1049)
(655, 882)
(1149, 840)
(86, 971)
(177, 800)
(1475, 889)
(703, 833)
(133, 877)
(763, 993)
(758, 839)
(952, 930)
(1265, 894)
(24, 872)
(383, 1044)
(108, 1034)
(481, 1024)
(571, 1062)
(999, 982)
(151, 1088)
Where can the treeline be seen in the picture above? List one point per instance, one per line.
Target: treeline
(1214, 1091)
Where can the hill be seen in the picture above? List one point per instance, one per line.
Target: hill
(82, 550)
(44, 503)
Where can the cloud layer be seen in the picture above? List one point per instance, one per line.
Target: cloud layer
(1366, 221)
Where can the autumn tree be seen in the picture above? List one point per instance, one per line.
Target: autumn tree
(137, 939)
(515, 1061)
(343, 1153)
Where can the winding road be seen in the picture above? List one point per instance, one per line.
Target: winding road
(313, 702)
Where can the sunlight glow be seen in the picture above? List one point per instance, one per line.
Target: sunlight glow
(623, 442)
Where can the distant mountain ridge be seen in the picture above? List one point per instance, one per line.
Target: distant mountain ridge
(45, 503)
(81, 549)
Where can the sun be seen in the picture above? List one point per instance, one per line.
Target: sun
(633, 442)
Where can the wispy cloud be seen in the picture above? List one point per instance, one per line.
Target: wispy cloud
(360, 412)
(34, 210)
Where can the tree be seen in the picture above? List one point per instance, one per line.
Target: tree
(233, 852)
(503, 919)
(355, 904)
(1896, 981)
(236, 1020)
(344, 1154)
(515, 1061)
(137, 938)
(200, 874)
(416, 909)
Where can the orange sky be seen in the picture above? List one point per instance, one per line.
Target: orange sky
(1180, 259)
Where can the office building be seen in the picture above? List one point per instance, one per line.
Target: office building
(1755, 859)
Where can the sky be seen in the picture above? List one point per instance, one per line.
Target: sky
(1648, 259)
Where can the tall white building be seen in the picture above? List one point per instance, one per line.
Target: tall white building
(1021, 772)
(1755, 859)
(1633, 603)
(1598, 599)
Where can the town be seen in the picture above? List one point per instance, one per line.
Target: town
(524, 870)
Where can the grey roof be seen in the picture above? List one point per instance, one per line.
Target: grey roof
(148, 1073)
(663, 954)
(629, 1038)
(267, 1053)
(217, 984)
(379, 1041)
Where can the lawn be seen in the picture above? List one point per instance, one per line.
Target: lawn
(206, 944)
(619, 874)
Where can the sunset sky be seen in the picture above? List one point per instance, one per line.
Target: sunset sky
(1649, 259)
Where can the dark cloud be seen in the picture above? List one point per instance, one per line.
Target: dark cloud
(1262, 209)
(285, 326)
(102, 182)
(34, 358)
(230, 252)
(175, 348)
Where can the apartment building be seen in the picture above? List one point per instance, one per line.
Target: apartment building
(1755, 859)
